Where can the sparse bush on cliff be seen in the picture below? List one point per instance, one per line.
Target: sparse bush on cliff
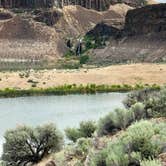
(25, 145)
(86, 129)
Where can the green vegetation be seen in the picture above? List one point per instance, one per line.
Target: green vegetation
(124, 137)
(74, 89)
(138, 106)
(84, 59)
(24, 144)
(86, 129)
(153, 101)
(121, 119)
(151, 163)
(140, 142)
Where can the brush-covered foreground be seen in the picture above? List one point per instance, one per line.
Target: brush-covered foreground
(133, 136)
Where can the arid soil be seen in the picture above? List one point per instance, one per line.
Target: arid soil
(117, 74)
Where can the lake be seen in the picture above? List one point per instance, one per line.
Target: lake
(64, 111)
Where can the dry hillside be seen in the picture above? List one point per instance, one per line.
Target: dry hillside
(77, 20)
(143, 38)
(22, 38)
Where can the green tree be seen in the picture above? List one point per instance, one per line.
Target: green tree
(25, 145)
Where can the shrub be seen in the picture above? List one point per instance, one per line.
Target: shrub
(115, 121)
(116, 155)
(138, 96)
(25, 145)
(2, 163)
(140, 139)
(84, 59)
(72, 134)
(154, 102)
(86, 129)
(99, 159)
(151, 163)
(82, 147)
(138, 110)
(107, 124)
(156, 105)
(123, 118)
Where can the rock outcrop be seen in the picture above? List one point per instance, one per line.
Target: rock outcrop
(149, 19)
(143, 38)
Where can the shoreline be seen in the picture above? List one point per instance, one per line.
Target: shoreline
(115, 78)
(73, 89)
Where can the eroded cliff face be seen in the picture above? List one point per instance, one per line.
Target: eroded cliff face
(143, 38)
(149, 19)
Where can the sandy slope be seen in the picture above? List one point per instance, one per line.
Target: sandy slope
(118, 74)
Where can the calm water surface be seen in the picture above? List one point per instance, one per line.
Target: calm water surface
(65, 111)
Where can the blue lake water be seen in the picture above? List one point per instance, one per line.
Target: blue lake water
(64, 111)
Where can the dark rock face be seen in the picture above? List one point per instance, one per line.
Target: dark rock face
(143, 38)
(146, 20)
(103, 30)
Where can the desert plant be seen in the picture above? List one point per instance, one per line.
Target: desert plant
(25, 145)
(115, 121)
(82, 147)
(143, 140)
(84, 59)
(72, 134)
(2, 163)
(151, 162)
(139, 137)
(85, 130)
(123, 118)
(116, 155)
(139, 96)
(138, 110)
(107, 124)
(154, 103)
(99, 159)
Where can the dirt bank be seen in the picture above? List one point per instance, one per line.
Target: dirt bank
(118, 74)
